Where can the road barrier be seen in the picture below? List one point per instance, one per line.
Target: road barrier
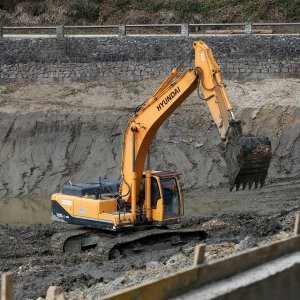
(121, 30)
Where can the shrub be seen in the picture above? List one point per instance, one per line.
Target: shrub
(83, 9)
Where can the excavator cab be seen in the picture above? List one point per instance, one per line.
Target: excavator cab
(166, 197)
(171, 198)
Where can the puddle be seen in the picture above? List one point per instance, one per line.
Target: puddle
(25, 211)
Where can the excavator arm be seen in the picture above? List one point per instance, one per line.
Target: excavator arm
(204, 77)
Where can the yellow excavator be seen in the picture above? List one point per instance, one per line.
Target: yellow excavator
(120, 211)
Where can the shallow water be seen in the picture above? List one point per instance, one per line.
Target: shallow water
(25, 211)
(273, 198)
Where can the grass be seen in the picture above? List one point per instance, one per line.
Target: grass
(71, 92)
(46, 12)
(7, 90)
(84, 9)
(288, 9)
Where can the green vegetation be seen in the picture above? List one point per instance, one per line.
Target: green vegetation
(288, 9)
(42, 12)
(6, 90)
(81, 9)
(182, 8)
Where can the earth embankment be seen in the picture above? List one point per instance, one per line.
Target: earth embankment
(50, 134)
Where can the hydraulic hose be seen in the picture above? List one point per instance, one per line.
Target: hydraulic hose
(125, 195)
(198, 88)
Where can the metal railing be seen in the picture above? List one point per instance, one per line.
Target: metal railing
(122, 29)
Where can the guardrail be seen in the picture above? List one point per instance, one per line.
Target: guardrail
(184, 29)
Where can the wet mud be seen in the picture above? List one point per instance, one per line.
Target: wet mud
(233, 227)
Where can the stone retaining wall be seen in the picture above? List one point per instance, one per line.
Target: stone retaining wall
(114, 58)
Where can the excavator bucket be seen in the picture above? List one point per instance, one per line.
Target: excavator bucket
(248, 159)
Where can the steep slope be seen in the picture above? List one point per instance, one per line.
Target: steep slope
(52, 133)
(146, 11)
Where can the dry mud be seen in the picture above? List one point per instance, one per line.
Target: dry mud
(52, 133)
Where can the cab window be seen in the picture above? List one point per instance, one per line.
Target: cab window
(170, 197)
(142, 190)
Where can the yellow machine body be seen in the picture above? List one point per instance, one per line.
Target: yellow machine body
(104, 213)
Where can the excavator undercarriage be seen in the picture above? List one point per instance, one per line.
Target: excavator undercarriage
(108, 245)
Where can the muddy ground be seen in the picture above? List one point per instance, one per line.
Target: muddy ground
(26, 251)
(52, 133)
(241, 220)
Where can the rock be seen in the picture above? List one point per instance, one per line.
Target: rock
(173, 260)
(198, 145)
(188, 248)
(247, 242)
(187, 251)
(80, 297)
(152, 264)
(77, 295)
(120, 280)
(55, 293)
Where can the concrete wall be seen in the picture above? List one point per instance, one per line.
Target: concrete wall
(277, 286)
(114, 58)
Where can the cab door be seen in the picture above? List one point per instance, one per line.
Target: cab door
(156, 201)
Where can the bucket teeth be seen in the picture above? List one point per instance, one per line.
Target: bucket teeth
(245, 184)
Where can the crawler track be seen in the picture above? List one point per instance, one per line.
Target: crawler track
(108, 246)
